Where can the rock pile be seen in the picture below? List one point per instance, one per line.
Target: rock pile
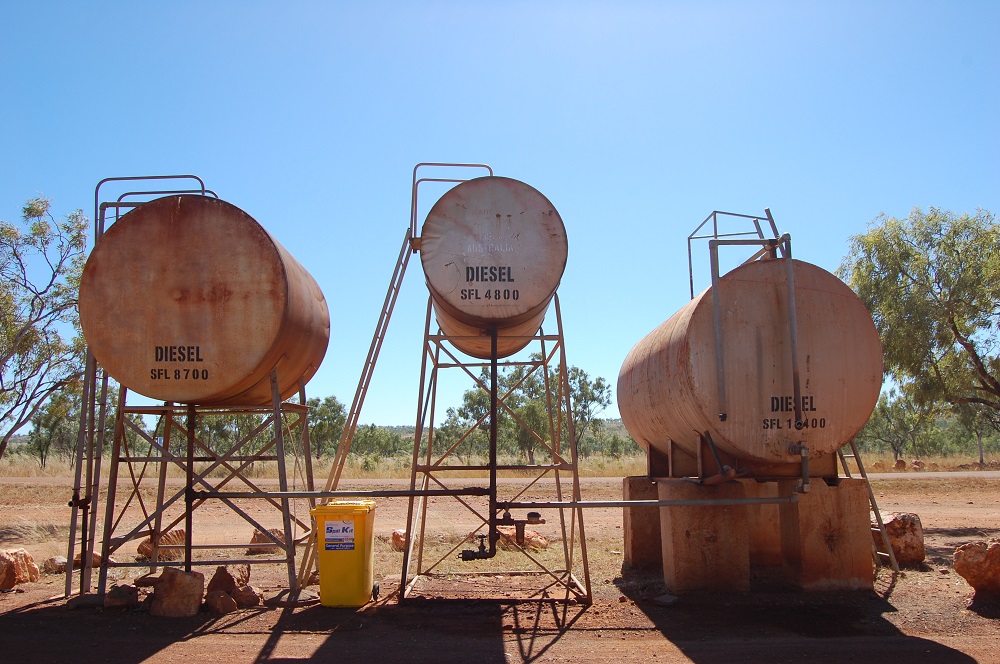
(979, 564)
(55, 565)
(533, 541)
(229, 590)
(906, 537)
(177, 594)
(265, 544)
(16, 566)
(169, 538)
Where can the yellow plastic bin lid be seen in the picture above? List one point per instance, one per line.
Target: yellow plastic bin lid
(341, 505)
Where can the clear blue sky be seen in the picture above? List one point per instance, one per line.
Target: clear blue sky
(636, 119)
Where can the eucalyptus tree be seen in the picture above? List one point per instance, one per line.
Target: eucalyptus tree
(41, 349)
(932, 283)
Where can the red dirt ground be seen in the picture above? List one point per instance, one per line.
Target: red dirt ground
(922, 615)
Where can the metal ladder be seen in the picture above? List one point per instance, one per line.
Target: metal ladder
(885, 555)
(351, 422)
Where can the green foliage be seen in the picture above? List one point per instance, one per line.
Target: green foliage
(378, 442)
(55, 428)
(41, 261)
(902, 426)
(932, 283)
(524, 426)
(220, 432)
(899, 424)
(326, 424)
(608, 438)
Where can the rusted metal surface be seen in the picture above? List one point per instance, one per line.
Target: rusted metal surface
(668, 386)
(188, 299)
(493, 251)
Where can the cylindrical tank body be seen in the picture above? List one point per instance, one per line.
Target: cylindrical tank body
(668, 388)
(493, 251)
(188, 299)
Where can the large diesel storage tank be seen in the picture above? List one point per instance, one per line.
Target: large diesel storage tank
(668, 387)
(188, 299)
(493, 251)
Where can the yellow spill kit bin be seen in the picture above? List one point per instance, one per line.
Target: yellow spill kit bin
(344, 539)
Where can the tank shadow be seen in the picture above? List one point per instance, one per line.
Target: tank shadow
(778, 625)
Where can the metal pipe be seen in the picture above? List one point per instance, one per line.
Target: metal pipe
(192, 422)
(804, 454)
(416, 184)
(770, 220)
(539, 467)
(494, 435)
(485, 491)
(484, 552)
(793, 333)
(376, 493)
(214, 561)
(76, 502)
(720, 369)
(510, 505)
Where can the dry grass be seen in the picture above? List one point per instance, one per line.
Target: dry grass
(946, 463)
(966, 485)
(398, 467)
(395, 467)
(16, 465)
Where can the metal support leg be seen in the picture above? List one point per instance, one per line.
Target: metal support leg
(286, 519)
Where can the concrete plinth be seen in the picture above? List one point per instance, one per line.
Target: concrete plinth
(704, 547)
(819, 542)
(826, 537)
(641, 525)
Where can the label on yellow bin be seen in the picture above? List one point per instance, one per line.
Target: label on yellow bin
(339, 536)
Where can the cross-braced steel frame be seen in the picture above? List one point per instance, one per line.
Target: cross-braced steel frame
(140, 459)
(433, 467)
(137, 458)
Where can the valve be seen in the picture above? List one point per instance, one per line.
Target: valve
(472, 554)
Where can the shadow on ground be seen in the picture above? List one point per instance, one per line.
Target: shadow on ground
(771, 627)
(780, 626)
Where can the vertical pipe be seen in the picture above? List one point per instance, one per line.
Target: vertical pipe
(189, 490)
(494, 533)
(87, 545)
(720, 367)
(94, 488)
(81, 458)
(793, 333)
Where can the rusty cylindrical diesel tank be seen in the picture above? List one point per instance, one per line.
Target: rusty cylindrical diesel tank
(668, 388)
(188, 299)
(493, 251)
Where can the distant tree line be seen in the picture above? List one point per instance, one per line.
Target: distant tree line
(54, 435)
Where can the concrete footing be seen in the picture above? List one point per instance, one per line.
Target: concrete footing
(641, 525)
(820, 542)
